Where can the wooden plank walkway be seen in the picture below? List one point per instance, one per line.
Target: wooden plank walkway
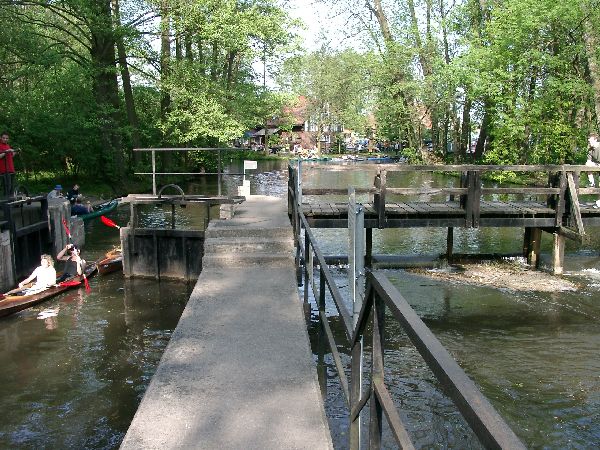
(445, 214)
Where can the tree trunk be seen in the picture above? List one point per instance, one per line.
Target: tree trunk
(165, 57)
(384, 25)
(106, 89)
(214, 62)
(483, 133)
(377, 10)
(465, 128)
(187, 40)
(591, 45)
(127, 90)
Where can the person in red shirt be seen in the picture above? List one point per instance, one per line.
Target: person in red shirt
(7, 168)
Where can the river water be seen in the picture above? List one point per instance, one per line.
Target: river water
(74, 378)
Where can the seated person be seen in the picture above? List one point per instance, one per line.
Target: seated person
(74, 264)
(55, 193)
(73, 193)
(44, 274)
(79, 208)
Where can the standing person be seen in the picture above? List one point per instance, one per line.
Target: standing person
(7, 168)
(74, 264)
(44, 274)
(593, 152)
(73, 193)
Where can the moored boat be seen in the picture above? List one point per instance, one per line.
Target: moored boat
(112, 262)
(10, 304)
(102, 208)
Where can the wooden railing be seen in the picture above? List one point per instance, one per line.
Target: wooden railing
(486, 423)
(561, 191)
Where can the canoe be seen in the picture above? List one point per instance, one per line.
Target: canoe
(99, 210)
(13, 303)
(112, 262)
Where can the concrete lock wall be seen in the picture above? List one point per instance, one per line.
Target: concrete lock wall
(162, 254)
(7, 275)
(58, 210)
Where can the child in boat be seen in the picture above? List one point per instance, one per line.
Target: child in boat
(45, 275)
(74, 264)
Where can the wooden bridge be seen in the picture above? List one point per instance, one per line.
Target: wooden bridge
(551, 202)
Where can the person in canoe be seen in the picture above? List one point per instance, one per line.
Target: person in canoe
(74, 264)
(79, 208)
(44, 275)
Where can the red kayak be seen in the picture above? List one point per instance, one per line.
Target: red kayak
(10, 304)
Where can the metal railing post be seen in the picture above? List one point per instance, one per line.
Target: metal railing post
(321, 367)
(219, 172)
(356, 263)
(153, 172)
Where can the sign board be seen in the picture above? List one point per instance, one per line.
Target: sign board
(248, 165)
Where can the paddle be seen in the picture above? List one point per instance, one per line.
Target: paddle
(109, 223)
(88, 289)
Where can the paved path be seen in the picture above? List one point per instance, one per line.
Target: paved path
(238, 372)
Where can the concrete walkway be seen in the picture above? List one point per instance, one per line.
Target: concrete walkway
(238, 372)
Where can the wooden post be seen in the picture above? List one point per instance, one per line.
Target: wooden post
(377, 371)
(526, 242)
(59, 210)
(7, 274)
(449, 244)
(533, 240)
(450, 239)
(558, 254)
(369, 248)
(379, 197)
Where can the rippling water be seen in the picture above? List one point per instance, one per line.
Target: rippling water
(74, 369)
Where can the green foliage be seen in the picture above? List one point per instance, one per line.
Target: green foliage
(336, 85)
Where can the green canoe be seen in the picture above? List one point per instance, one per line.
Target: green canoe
(101, 209)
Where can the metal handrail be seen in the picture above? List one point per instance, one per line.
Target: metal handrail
(481, 416)
(219, 172)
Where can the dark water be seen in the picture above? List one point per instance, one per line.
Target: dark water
(74, 369)
(74, 379)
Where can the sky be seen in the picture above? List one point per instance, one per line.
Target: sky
(317, 17)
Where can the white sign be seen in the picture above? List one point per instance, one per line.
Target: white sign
(250, 165)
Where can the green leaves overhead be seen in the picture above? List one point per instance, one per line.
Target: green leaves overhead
(82, 80)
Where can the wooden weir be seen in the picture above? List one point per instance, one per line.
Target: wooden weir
(363, 386)
(552, 206)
